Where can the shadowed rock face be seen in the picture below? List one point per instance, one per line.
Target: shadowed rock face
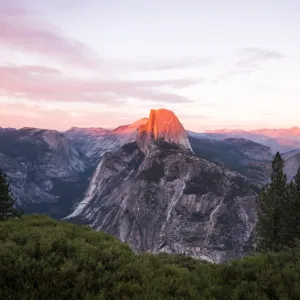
(45, 172)
(291, 163)
(243, 156)
(49, 171)
(162, 198)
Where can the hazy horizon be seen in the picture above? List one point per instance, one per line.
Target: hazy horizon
(124, 124)
(217, 64)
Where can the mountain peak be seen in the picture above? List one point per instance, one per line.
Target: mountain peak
(163, 123)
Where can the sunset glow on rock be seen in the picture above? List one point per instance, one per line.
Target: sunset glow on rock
(164, 124)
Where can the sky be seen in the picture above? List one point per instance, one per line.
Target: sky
(103, 63)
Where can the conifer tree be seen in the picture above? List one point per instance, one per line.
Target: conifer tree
(7, 201)
(273, 210)
(294, 209)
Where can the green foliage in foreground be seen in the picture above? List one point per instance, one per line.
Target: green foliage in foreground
(44, 259)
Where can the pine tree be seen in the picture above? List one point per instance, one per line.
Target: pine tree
(7, 201)
(273, 210)
(294, 209)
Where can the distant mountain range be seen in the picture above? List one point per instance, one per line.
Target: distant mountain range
(281, 140)
(151, 183)
(94, 142)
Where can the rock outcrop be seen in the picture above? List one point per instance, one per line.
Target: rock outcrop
(163, 124)
(45, 172)
(157, 196)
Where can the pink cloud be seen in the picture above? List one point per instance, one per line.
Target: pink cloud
(28, 70)
(20, 30)
(44, 83)
(20, 115)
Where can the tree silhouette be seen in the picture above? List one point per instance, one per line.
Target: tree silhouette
(7, 202)
(273, 208)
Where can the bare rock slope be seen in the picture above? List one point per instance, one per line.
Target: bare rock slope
(157, 196)
(45, 172)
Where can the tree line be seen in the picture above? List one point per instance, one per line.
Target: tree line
(278, 208)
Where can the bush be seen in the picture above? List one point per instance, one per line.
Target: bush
(44, 259)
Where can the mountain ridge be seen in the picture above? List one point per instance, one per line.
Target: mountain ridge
(151, 183)
(158, 196)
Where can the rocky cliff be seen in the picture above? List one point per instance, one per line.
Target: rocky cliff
(156, 195)
(163, 124)
(45, 172)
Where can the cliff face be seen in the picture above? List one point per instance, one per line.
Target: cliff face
(248, 158)
(45, 172)
(163, 124)
(157, 196)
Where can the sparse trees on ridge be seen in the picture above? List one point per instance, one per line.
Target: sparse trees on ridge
(279, 210)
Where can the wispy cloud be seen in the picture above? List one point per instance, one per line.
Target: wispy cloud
(20, 115)
(267, 114)
(194, 116)
(28, 70)
(257, 56)
(9, 10)
(265, 87)
(165, 64)
(43, 83)
(20, 29)
(23, 30)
